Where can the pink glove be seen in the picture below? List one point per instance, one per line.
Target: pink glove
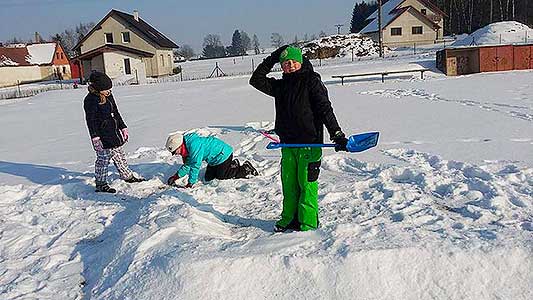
(97, 144)
(125, 134)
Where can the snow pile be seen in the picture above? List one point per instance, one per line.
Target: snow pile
(41, 53)
(441, 209)
(341, 45)
(7, 62)
(498, 33)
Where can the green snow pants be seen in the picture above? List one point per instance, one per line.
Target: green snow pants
(299, 174)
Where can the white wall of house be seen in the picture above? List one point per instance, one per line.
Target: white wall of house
(10, 76)
(407, 21)
(113, 26)
(51, 72)
(155, 66)
(115, 65)
(432, 15)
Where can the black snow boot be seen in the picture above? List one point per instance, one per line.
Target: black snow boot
(134, 179)
(294, 225)
(249, 168)
(103, 187)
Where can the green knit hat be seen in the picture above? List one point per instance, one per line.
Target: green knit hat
(291, 53)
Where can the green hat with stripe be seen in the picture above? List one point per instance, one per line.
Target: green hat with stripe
(291, 53)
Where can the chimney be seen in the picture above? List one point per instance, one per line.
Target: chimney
(136, 15)
(37, 37)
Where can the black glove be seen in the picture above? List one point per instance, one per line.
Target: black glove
(340, 139)
(172, 179)
(274, 56)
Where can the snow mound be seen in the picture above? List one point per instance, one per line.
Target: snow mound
(498, 33)
(341, 45)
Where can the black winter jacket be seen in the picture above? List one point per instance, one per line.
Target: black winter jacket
(104, 120)
(302, 103)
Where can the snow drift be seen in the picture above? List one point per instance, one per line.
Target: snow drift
(509, 32)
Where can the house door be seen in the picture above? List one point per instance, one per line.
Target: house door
(127, 66)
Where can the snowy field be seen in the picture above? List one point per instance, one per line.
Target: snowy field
(441, 209)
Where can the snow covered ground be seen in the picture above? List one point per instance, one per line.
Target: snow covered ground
(442, 209)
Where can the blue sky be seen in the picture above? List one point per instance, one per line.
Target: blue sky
(186, 22)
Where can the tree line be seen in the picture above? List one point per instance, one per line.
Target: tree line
(240, 44)
(462, 16)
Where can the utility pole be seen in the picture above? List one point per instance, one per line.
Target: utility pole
(380, 34)
(339, 26)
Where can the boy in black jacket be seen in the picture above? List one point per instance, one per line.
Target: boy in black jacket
(302, 110)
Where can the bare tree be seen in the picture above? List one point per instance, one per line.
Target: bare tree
(276, 40)
(186, 51)
(255, 43)
(212, 40)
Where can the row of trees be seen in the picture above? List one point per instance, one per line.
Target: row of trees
(463, 16)
(240, 43)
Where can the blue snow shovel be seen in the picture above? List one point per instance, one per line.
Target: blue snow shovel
(356, 143)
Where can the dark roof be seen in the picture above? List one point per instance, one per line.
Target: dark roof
(14, 56)
(113, 48)
(433, 7)
(140, 26)
(147, 29)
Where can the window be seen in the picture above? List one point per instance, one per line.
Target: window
(396, 31)
(61, 55)
(417, 30)
(127, 66)
(57, 55)
(65, 70)
(169, 60)
(162, 59)
(109, 38)
(126, 37)
(424, 11)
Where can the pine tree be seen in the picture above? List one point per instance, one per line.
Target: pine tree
(276, 40)
(236, 48)
(360, 13)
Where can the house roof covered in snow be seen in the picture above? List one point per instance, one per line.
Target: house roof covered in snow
(139, 25)
(392, 10)
(41, 54)
(28, 55)
(14, 56)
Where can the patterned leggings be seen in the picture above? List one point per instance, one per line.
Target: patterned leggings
(102, 162)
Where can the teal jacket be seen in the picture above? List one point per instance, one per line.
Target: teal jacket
(210, 149)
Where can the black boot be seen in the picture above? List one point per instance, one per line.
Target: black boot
(249, 168)
(103, 187)
(134, 179)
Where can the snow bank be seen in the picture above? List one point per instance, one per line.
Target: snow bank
(509, 32)
(341, 45)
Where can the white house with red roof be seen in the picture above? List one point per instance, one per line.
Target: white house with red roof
(24, 63)
(407, 22)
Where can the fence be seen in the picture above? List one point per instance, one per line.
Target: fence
(24, 91)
